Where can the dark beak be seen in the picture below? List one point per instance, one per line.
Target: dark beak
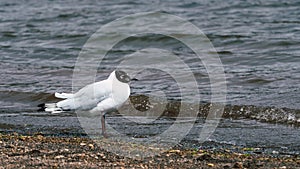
(134, 79)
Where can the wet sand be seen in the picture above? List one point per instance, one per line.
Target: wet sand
(21, 151)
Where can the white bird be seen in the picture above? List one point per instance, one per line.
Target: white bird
(98, 97)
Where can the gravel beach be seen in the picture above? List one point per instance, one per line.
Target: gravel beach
(38, 151)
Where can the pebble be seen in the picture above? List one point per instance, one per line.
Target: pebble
(174, 151)
(227, 166)
(80, 155)
(204, 157)
(10, 146)
(91, 146)
(210, 165)
(238, 165)
(39, 137)
(59, 157)
(82, 144)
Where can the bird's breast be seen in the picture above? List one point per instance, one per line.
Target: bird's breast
(120, 92)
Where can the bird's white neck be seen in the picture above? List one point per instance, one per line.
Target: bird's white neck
(120, 90)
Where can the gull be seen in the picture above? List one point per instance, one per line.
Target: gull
(99, 97)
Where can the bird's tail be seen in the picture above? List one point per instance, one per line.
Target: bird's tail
(50, 107)
(53, 107)
(64, 95)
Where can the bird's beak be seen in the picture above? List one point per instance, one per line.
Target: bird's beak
(134, 79)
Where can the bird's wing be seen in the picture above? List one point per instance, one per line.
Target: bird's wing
(104, 106)
(96, 90)
(87, 97)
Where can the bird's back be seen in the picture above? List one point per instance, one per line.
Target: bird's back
(87, 97)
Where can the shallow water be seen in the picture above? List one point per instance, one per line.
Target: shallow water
(258, 43)
(271, 139)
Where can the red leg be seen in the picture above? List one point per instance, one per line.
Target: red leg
(103, 126)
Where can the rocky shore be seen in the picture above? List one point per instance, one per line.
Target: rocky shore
(38, 151)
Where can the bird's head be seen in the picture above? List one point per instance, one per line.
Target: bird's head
(122, 76)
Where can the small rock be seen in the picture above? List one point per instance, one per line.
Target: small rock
(59, 157)
(81, 155)
(174, 151)
(39, 137)
(82, 144)
(248, 149)
(283, 167)
(35, 151)
(257, 151)
(227, 166)
(259, 164)
(210, 165)
(22, 138)
(91, 146)
(10, 146)
(205, 157)
(238, 165)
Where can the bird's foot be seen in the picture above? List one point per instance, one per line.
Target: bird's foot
(105, 135)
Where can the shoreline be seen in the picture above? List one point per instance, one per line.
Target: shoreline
(27, 151)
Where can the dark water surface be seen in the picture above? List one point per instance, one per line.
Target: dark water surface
(258, 43)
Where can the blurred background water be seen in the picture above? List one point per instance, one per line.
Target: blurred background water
(257, 41)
